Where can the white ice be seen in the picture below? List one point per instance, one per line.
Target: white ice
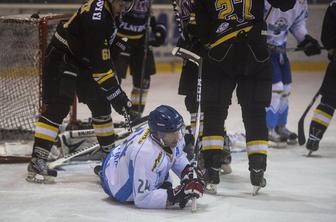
(299, 188)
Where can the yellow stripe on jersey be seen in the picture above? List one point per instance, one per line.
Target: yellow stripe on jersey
(229, 36)
(130, 36)
(257, 147)
(102, 77)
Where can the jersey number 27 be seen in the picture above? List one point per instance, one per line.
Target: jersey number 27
(227, 10)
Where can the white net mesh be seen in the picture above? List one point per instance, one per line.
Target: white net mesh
(22, 43)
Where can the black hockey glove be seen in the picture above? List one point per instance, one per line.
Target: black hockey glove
(189, 146)
(159, 33)
(117, 46)
(184, 192)
(119, 100)
(310, 46)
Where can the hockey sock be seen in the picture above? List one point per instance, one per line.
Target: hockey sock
(104, 131)
(320, 122)
(135, 98)
(45, 135)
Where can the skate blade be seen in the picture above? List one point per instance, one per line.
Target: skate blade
(39, 179)
(211, 189)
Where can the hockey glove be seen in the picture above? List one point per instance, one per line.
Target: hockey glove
(187, 174)
(118, 45)
(184, 192)
(119, 100)
(159, 33)
(310, 46)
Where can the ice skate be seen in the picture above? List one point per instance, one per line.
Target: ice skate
(286, 134)
(312, 144)
(257, 180)
(211, 180)
(275, 140)
(38, 172)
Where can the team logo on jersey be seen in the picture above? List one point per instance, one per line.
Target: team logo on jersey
(279, 26)
(222, 27)
(144, 136)
(157, 161)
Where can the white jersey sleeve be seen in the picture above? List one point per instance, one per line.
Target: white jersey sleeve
(299, 27)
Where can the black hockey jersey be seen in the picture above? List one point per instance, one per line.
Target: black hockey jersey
(132, 24)
(87, 36)
(328, 36)
(221, 20)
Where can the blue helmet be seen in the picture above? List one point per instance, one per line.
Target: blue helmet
(165, 119)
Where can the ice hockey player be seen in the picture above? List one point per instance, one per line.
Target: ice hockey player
(132, 29)
(325, 110)
(235, 56)
(78, 61)
(139, 169)
(188, 80)
(279, 24)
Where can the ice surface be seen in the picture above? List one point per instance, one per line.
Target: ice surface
(299, 188)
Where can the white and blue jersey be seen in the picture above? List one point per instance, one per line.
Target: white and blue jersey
(279, 24)
(135, 170)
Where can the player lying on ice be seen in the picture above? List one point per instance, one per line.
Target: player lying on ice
(138, 170)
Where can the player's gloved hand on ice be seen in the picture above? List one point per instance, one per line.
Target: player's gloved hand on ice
(119, 100)
(159, 33)
(188, 173)
(310, 46)
(117, 46)
(184, 192)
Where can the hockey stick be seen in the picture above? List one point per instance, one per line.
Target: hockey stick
(186, 54)
(91, 132)
(82, 151)
(144, 61)
(87, 149)
(301, 134)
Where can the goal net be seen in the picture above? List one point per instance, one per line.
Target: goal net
(23, 41)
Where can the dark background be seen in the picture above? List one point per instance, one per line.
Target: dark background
(81, 1)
